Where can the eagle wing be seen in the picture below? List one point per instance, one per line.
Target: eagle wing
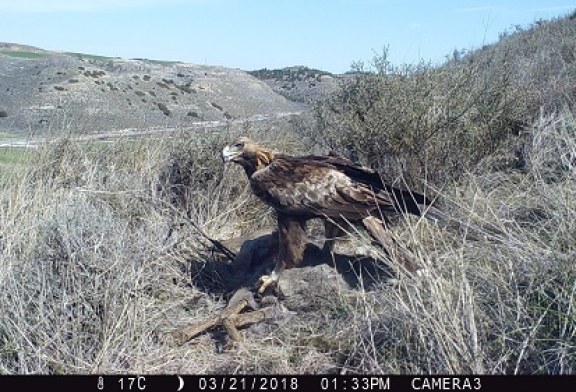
(322, 186)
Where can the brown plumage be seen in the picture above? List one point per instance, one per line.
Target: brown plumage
(329, 187)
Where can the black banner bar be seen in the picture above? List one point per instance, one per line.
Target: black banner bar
(329, 383)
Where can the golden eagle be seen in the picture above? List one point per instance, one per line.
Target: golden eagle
(330, 187)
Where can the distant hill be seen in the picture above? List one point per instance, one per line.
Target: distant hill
(43, 89)
(299, 83)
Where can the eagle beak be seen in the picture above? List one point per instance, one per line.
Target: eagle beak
(228, 154)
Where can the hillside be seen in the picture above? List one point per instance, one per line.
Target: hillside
(46, 90)
(299, 83)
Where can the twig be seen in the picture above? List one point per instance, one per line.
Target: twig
(217, 244)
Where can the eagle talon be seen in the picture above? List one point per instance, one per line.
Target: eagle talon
(265, 282)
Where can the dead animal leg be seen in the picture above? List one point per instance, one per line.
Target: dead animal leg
(376, 228)
(242, 299)
(231, 318)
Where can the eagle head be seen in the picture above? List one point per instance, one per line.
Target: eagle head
(248, 154)
(241, 150)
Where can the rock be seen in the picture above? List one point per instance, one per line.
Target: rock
(319, 272)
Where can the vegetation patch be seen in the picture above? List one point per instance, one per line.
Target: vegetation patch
(91, 57)
(290, 74)
(215, 105)
(94, 73)
(11, 157)
(112, 87)
(160, 62)
(186, 88)
(167, 112)
(23, 54)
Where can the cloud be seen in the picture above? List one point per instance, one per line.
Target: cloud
(47, 6)
(415, 25)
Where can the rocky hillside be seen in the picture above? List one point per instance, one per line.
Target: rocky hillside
(43, 90)
(300, 84)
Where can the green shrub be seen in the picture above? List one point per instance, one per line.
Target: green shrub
(434, 123)
(419, 121)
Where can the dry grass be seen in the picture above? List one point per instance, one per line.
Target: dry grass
(95, 258)
(98, 260)
(90, 279)
(501, 293)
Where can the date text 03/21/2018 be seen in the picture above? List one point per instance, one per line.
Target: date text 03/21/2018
(272, 383)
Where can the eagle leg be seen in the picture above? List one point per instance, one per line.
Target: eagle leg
(292, 242)
(266, 281)
(376, 228)
(333, 230)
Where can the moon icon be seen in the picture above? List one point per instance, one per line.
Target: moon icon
(181, 381)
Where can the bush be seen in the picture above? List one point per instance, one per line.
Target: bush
(500, 298)
(433, 124)
(164, 109)
(421, 122)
